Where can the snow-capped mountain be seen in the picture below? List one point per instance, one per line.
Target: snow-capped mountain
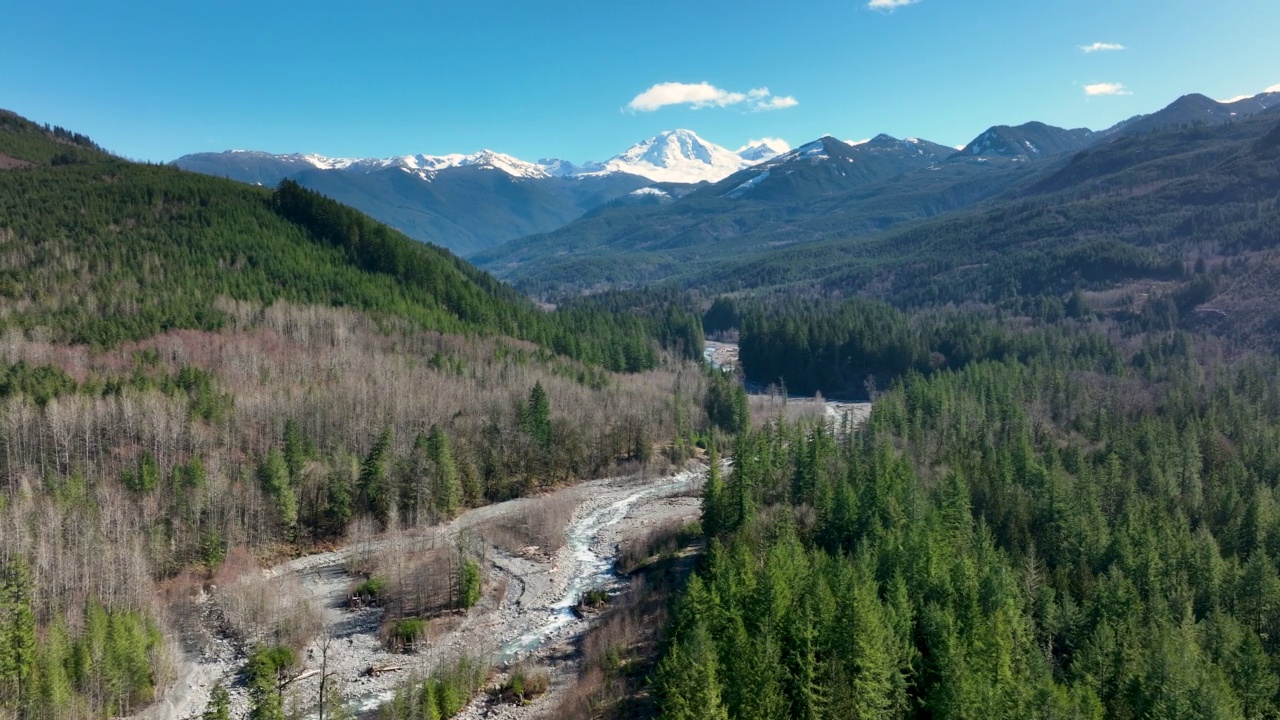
(563, 168)
(468, 202)
(678, 156)
(758, 151)
(425, 166)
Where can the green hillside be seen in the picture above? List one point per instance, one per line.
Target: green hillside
(99, 250)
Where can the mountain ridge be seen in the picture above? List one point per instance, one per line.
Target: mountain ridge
(444, 199)
(727, 224)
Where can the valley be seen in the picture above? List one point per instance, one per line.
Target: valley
(525, 617)
(887, 429)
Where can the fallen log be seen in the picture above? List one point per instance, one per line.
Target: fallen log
(302, 676)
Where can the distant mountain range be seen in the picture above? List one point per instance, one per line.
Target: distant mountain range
(825, 191)
(468, 203)
(515, 216)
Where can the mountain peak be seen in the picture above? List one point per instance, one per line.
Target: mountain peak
(1028, 141)
(757, 151)
(677, 156)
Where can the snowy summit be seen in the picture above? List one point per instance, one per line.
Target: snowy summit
(673, 156)
(678, 156)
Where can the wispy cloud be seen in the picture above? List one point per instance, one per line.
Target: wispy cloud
(1106, 89)
(777, 102)
(1102, 47)
(1238, 98)
(890, 5)
(705, 95)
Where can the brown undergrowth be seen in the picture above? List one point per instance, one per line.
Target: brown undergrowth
(537, 527)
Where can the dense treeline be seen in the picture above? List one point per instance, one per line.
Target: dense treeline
(670, 315)
(1065, 537)
(848, 349)
(107, 665)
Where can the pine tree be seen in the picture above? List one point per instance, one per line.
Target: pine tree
(688, 682)
(273, 474)
(446, 490)
(373, 494)
(219, 707)
(468, 583)
(337, 503)
(536, 418)
(18, 632)
(294, 450)
(740, 506)
(712, 495)
(266, 668)
(54, 692)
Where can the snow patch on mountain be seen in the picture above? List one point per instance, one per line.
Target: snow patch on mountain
(746, 186)
(816, 150)
(677, 156)
(655, 192)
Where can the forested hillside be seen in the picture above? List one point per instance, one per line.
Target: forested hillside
(103, 251)
(1065, 536)
(192, 369)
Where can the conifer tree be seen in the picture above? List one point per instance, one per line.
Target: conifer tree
(17, 629)
(295, 454)
(712, 495)
(446, 490)
(536, 418)
(54, 694)
(372, 488)
(219, 707)
(688, 679)
(273, 474)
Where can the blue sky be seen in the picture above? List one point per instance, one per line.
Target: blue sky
(155, 80)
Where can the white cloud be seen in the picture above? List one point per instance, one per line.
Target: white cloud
(699, 95)
(779, 102)
(1101, 47)
(1238, 98)
(890, 5)
(1106, 89)
(704, 95)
